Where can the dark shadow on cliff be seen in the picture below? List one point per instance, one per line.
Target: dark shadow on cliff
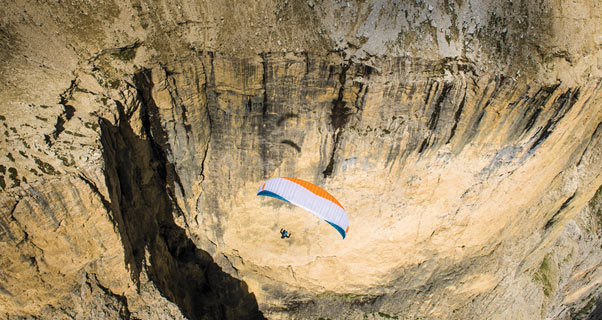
(141, 182)
(597, 312)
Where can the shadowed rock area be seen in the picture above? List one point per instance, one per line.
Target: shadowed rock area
(140, 182)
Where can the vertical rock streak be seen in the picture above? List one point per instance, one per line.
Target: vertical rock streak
(339, 117)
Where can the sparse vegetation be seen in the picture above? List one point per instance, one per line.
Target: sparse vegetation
(114, 83)
(351, 297)
(91, 125)
(125, 54)
(387, 316)
(544, 276)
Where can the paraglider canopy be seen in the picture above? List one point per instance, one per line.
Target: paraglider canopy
(309, 197)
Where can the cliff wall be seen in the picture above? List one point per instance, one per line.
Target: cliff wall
(462, 137)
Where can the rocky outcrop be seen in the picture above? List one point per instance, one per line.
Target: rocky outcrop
(351, 122)
(463, 138)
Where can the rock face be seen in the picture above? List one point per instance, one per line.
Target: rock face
(464, 139)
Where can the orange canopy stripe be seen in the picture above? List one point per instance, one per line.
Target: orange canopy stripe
(315, 190)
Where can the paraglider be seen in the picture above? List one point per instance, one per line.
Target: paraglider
(284, 234)
(309, 197)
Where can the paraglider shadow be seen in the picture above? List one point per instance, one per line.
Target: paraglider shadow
(141, 183)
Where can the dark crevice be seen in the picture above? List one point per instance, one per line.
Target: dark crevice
(423, 145)
(543, 94)
(432, 124)
(521, 100)
(534, 107)
(532, 120)
(249, 105)
(475, 120)
(94, 188)
(59, 127)
(264, 80)
(210, 98)
(48, 140)
(475, 126)
(264, 131)
(330, 167)
(428, 92)
(339, 117)
(478, 122)
(360, 96)
(340, 112)
(66, 115)
(141, 182)
(187, 126)
(561, 106)
(6, 292)
(360, 100)
(7, 229)
(4, 228)
(203, 162)
(553, 220)
(590, 141)
(12, 210)
(173, 95)
(457, 117)
(497, 89)
(120, 300)
(545, 133)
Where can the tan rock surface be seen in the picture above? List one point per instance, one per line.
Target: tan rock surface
(462, 137)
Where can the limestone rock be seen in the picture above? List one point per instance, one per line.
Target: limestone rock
(464, 139)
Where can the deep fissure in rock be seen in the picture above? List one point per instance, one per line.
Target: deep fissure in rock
(339, 117)
(562, 105)
(554, 217)
(141, 182)
(457, 116)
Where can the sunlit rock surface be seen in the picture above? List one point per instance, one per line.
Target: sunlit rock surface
(463, 138)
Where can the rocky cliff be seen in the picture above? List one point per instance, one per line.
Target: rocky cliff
(464, 139)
